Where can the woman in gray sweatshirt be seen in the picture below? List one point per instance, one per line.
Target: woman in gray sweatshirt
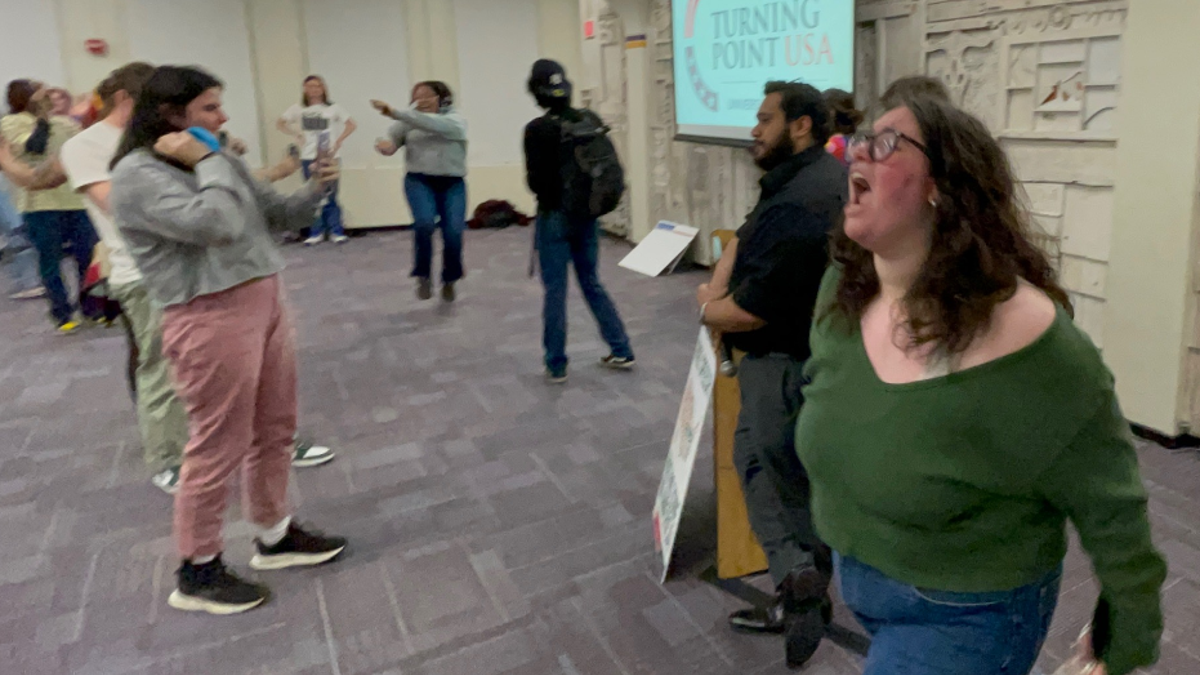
(435, 138)
(198, 226)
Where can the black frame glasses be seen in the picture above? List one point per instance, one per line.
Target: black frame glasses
(882, 145)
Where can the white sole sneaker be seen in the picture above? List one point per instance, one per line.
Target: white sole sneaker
(190, 603)
(316, 459)
(285, 560)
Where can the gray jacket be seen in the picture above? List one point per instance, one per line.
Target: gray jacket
(202, 232)
(436, 142)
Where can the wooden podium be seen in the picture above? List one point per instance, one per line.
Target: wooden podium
(738, 552)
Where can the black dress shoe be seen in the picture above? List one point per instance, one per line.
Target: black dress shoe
(806, 614)
(759, 620)
(802, 635)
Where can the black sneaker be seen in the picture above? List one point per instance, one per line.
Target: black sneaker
(618, 362)
(448, 293)
(424, 288)
(212, 588)
(297, 548)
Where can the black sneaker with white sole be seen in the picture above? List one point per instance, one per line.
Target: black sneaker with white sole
(299, 547)
(212, 588)
(618, 362)
(306, 453)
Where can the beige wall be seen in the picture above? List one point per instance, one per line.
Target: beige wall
(372, 192)
(1151, 277)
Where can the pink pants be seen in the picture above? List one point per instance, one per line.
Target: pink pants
(234, 355)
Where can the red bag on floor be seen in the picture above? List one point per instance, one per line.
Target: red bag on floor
(497, 214)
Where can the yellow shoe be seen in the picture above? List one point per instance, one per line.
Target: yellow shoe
(68, 327)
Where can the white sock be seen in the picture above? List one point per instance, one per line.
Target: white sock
(274, 535)
(203, 559)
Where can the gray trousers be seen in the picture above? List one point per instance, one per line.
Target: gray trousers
(775, 483)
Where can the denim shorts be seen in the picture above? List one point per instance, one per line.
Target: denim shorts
(918, 631)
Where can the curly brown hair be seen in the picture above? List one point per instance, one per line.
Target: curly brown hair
(981, 244)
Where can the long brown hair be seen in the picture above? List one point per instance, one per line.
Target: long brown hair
(324, 91)
(981, 244)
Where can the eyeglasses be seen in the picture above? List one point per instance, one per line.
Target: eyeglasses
(880, 146)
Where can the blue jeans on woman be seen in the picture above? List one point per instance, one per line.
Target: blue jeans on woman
(330, 220)
(23, 268)
(55, 233)
(437, 201)
(562, 239)
(918, 631)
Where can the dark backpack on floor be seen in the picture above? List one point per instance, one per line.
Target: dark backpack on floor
(593, 179)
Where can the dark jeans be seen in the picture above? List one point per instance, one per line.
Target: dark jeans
(920, 631)
(561, 240)
(437, 201)
(775, 483)
(54, 233)
(330, 220)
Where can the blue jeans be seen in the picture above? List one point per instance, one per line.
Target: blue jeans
(917, 631)
(561, 240)
(55, 233)
(437, 201)
(330, 219)
(23, 268)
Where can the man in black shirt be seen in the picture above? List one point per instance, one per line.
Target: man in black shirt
(761, 300)
(563, 238)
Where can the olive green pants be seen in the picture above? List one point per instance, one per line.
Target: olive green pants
(162, 418)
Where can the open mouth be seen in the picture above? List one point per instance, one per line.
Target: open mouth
(859, 186)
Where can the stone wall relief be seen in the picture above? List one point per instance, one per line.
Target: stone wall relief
(1065, 86)
(610, 101)
(1060, 70)
(967, 63)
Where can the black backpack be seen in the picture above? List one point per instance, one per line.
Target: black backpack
(593, 180)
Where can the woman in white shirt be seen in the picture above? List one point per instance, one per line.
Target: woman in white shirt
(314, 115)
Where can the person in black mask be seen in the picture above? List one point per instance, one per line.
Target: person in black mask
(761, 301)
(564, 237)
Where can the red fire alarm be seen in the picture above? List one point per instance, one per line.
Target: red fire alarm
(589, 29)
(96, 47)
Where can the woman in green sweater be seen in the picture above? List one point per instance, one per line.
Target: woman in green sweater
(957, 418)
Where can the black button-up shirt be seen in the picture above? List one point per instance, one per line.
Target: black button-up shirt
(783, 250)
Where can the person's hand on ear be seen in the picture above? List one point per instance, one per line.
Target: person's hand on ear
(182, 147)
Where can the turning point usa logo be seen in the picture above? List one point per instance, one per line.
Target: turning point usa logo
(775, 34)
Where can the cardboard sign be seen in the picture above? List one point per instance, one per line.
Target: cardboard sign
(681, 457)
(661, 250)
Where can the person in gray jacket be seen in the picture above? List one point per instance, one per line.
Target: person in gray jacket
(435, 138)
(198, 226)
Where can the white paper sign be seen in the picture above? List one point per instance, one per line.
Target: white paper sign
(661, 249)
(681, 458)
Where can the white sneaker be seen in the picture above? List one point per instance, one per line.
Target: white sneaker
(340, 239)
(313, 241)
(167, 481)
(31, 294)
(307, 454)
